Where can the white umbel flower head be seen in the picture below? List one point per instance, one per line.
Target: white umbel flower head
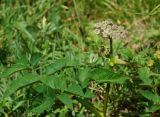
(107, 29)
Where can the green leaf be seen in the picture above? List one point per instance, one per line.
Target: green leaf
(83, 77)
(64, 98)
(102, 75)
(45, 90)
(21, 82)
(14, 68)
(89, 94)
(154, 108)
(59, 64)
(75, 89)
(46, 105)
(21, 103)
(28, 37)
(55, 82)
(35, 58)
(21, 65)
(22, 27)
(40, 88)
(150, 96)
(144, 75)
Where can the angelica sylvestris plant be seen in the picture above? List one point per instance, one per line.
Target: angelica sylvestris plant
(61, 79)
(53, 65)
(108, 30)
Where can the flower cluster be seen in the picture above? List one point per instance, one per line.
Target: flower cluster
(151, 62)
(157, 54)
(107, 29)
(116, 60)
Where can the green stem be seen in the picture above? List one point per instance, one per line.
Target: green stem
(106, 99)
(111, 47)
(107, 90)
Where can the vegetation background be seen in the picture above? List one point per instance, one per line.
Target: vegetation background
(53, 64)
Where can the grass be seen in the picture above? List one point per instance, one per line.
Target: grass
(53, 64)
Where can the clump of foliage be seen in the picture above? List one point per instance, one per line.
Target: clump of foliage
(53, 63)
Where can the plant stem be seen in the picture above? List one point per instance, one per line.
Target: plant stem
(107, 90)
(106, 99)
(111, 47)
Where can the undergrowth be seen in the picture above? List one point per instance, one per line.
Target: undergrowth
(53, 63)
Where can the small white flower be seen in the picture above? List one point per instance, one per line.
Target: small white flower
(97, 25)
(114, 27)
(97, 31)
(108, 29)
